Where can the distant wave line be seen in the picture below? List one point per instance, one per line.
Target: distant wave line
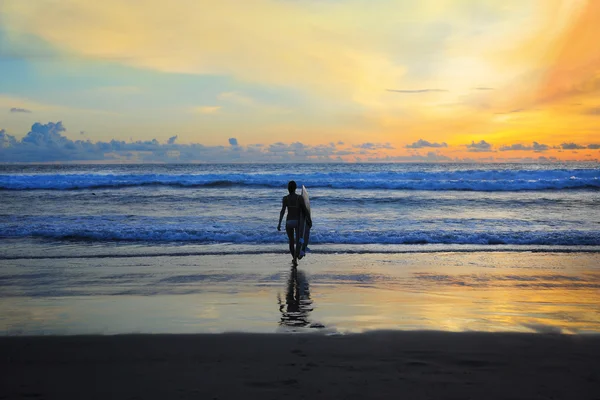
(425, 185)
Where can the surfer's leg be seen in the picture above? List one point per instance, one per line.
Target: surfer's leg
(290, 232)
(291, 226)
(297, 232)
(300, 244)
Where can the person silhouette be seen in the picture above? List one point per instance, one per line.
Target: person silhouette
(293, 203)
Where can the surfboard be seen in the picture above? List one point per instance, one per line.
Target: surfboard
(303, 228)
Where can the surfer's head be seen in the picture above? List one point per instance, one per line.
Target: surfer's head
(292, 186)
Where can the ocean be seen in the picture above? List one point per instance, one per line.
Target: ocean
(366, 205)
(76, 238)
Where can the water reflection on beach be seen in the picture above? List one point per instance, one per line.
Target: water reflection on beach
(500, 291)
(525, 292)
(296, 308)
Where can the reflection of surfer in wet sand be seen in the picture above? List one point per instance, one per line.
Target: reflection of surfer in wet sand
(294, 203)
(298, 305)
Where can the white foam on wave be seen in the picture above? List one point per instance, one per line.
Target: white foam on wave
(165, 233)
(475, 180)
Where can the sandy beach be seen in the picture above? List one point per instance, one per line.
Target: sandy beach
(297, 329)
(383, 364)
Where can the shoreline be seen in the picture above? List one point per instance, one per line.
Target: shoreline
(378, 364)
(40, 248)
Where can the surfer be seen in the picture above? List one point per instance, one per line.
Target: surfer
(293, 203)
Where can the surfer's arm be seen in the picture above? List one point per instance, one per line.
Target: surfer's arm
(281, 214)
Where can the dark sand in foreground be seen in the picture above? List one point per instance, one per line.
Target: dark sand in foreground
(411, 365)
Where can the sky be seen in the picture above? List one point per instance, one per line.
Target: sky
(299, 80)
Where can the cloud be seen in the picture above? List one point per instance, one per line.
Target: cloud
(540, 147)
(374, 146)
(19, 110)
(44, 142)
(298, 151)
(595, 111)
(483, 88)
(6, 140)
(515, 147)
(419, 144)
(46, 135)
(172, 140)
(48, 143)
(82, 132)
(416, 90)
(594, 146)
(481, 146)
(571, 146)
(522, 147)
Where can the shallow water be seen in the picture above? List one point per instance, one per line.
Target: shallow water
(334, 293)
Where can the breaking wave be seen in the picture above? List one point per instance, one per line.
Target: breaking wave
(259, 236)
(466, 180)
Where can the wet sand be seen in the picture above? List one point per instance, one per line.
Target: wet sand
(188, 294)
(381, 364)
